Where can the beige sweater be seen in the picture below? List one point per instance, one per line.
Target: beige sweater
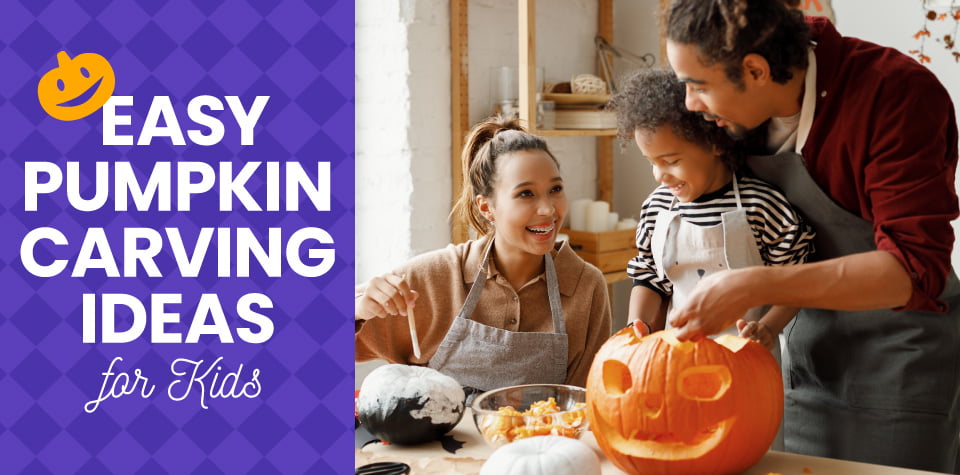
(443, 278)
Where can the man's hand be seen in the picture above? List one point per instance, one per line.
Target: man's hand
(715, 304)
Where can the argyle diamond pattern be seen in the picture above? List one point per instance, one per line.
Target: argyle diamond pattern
(298, 52)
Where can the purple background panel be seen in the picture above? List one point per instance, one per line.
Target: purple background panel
(301, 54)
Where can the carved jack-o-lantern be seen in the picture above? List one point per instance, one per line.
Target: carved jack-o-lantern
(658, 405)
(77, 87)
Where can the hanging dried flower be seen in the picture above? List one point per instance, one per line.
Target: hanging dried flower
(948, 38)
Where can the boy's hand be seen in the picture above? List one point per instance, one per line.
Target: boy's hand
(756, 331)
(640, 328)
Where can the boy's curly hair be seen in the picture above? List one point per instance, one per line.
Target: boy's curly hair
(652, 98)
(727, 30)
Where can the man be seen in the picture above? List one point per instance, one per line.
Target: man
(864, 143)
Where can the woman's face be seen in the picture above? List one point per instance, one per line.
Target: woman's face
(528, 203)
(688, 169)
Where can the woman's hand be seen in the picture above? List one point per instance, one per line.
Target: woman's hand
(383, 296)
(757, 331)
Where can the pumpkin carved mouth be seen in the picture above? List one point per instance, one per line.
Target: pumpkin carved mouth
(664, 446)
(84, 97)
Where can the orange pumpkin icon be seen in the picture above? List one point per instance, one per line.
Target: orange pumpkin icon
(77, 87)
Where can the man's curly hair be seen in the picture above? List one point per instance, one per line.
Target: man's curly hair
(727, 30)
(653, 98)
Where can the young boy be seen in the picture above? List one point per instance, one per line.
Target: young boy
(706, 215)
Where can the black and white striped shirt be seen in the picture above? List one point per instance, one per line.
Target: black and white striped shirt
(782, 236)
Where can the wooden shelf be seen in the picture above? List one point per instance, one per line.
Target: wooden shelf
(567, 132)
(575, 132)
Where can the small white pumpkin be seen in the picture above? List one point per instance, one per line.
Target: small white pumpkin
(409, 405)
(543, 455)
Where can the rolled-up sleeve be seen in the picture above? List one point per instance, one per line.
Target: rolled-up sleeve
(909, 183)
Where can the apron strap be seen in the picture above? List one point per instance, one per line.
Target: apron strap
(809, 104)
(486, 256)
(736, 191)
(658, 241)
(553, 292)
(466, 311)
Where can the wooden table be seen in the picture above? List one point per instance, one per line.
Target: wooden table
(433, 459)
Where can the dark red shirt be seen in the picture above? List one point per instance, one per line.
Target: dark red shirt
(883, 145)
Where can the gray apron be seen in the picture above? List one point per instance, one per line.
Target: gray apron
(484, 357)
(874, 386)
(685, 253)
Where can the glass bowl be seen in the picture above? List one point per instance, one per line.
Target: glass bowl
(517, 412)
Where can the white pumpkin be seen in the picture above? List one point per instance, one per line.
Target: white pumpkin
(543, 455)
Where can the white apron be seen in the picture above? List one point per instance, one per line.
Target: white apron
(685, 253)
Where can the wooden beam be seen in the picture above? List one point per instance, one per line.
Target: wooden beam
(605, 169)
(527, 64)
(605, 144)
(460, 106)
(662, 28)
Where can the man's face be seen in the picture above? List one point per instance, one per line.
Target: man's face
(710, 92)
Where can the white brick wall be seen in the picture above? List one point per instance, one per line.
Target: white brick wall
(383, 156)
(402, 79)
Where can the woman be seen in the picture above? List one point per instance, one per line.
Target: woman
(512, 307)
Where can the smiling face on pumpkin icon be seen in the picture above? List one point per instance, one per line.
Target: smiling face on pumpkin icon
(77, 87)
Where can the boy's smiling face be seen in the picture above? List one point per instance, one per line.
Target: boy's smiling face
(690, 170)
